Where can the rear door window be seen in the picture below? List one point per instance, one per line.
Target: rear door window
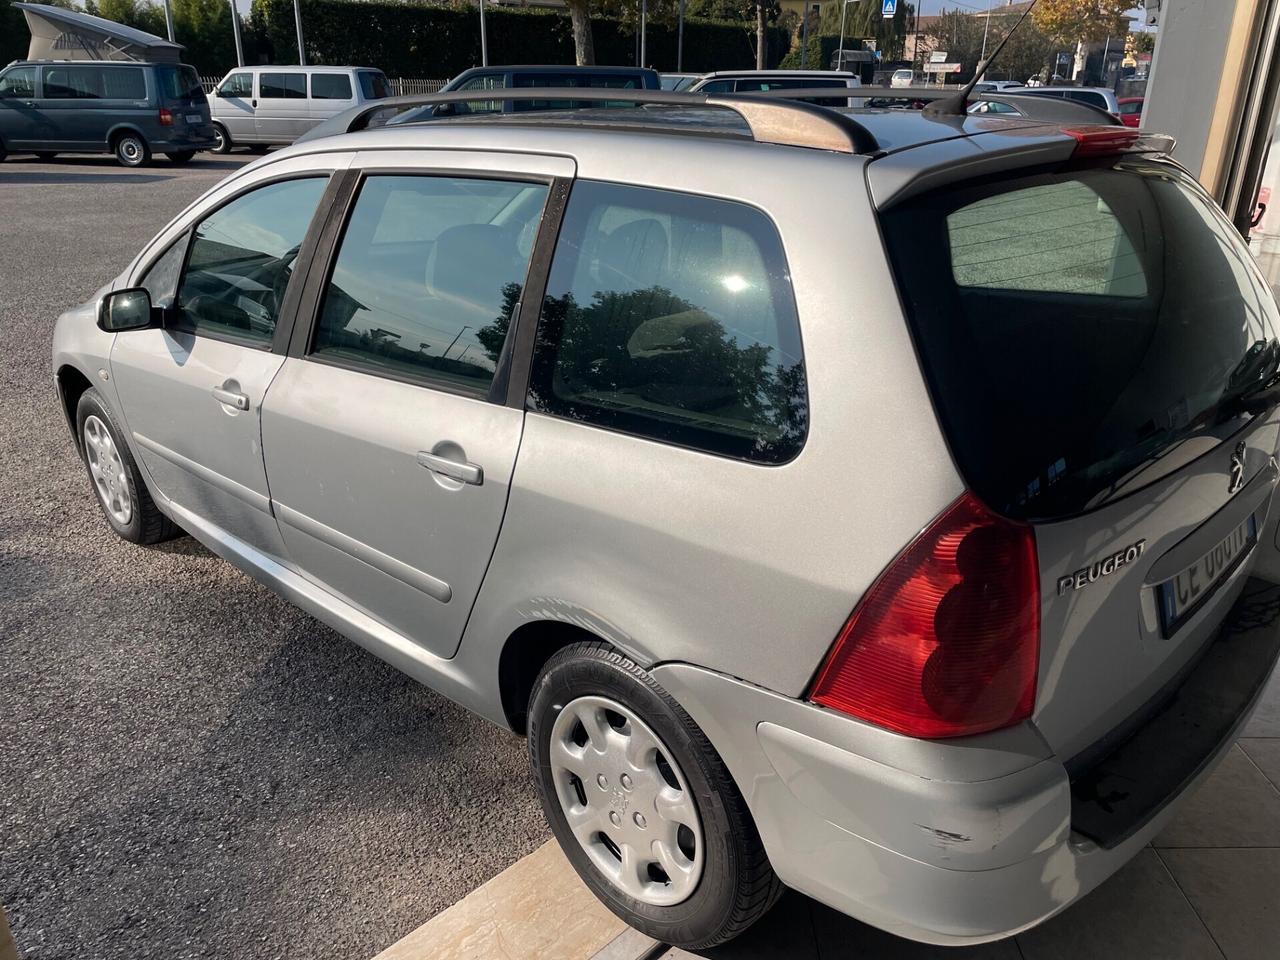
(330, 86)
(374, 85)
(427, 277)
(73, 83)
(1077, 326)
(671, 317)
(180, 83)
(283, 86)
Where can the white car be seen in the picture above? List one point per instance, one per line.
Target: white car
(261, 106)
(901, 78)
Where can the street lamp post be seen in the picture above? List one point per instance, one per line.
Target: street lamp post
(844, 11)
(484, 40)
(644, 16)
(680, 40)
(297, 19)
(168, 19)
(235, 28)
(986, 29)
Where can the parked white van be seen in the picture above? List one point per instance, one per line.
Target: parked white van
(260, 106)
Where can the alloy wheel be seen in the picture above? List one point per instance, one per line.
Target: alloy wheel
(106, 466)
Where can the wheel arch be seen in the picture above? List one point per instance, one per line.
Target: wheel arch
(72, 384)
(122, 128)
(524, 654)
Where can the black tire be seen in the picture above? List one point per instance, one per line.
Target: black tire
(259, 148)
(45, 155)
(180, 157)
(223, 139)
(3, 153)
(738, 885)
(131, 150)
(146, 523)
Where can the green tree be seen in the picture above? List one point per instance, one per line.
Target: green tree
(962, 35)
(1080, 22)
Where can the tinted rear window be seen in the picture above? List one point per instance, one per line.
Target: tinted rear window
(330, 86)
(374, 86)
(1077, 326)
(283, 86)
(180, 83)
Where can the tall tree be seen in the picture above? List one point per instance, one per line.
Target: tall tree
(1081, 22)
(584, 47)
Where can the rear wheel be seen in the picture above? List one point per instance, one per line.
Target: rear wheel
(179, 157)
(641, 803)
(259, 148)
(223, 144)
(117, 483)
(131, 150)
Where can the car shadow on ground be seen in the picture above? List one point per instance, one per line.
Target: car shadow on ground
(45, 177)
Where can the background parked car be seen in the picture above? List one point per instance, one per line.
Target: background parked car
(1103, 98)
(261, 106)
(1131, 111)
(678, 81)
(88, 106)
(754, 81)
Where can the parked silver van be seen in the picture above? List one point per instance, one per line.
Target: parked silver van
(261, 106)
(924, 575)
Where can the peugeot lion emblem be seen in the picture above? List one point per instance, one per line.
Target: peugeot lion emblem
(1236, 479)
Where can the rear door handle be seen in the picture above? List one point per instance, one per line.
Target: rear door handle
(465, 472)
(231, 398)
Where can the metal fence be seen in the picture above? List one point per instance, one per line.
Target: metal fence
(400, 86)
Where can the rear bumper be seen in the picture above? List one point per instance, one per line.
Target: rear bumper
(192, 142)
(969, 840)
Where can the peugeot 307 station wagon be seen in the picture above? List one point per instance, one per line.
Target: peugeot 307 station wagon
(923, 575)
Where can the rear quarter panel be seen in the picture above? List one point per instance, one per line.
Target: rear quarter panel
(676, 555)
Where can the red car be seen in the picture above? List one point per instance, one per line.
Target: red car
(1131, 110)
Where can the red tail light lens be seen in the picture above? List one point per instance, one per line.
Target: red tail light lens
(947, 642)
(166, 117)
(1101, 141)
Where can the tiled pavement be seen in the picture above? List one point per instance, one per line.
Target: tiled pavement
(1208, 888)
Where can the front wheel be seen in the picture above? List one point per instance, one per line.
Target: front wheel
(117, 482)
(131, 150)
(179, 157)
(642, 805)
(222, 139)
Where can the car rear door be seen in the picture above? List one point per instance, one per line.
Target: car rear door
(389, 439)
(192, 392)
(1105, 361)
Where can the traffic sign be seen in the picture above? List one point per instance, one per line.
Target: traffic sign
(890, 7)
(938, 56)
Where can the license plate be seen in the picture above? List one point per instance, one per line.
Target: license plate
(194, 118)
(1182, 595)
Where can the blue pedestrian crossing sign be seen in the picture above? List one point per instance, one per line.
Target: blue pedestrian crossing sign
(890, 7)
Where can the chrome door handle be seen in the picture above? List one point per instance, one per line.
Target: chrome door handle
(231, 398)
(465, 472)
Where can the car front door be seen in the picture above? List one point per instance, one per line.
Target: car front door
(234, 105)
(191, 393)
(282, 114)
(20, 118)
(388, 437)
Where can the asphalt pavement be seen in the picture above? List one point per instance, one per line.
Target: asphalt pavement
(189, 766)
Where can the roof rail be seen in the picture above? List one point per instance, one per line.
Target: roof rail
(770, 119)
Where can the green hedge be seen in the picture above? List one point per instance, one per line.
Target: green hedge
(417, 40)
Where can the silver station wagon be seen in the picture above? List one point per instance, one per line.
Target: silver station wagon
(873, 503)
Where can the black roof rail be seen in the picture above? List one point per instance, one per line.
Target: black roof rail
(771, 119)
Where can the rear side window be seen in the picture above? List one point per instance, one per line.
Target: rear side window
(1129, 109)
(180, 83)
(671, 317)
(283, 86)
(1076, 326)
(330, 86)
(428, 274)
(374, 86)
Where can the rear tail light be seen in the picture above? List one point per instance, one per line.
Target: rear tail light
(947, 642)
(1101, 141)
(166, 117)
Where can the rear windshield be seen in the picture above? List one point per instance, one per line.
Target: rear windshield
(180, 83)
(1077, 326)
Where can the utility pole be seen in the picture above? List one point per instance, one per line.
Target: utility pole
(844, 11)
(235, 28)
(484, 40)
(644, 16)
(986, 30)
(680, 40)
(297, 19)
(168, 20)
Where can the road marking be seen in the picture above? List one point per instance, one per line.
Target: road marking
(536, 909)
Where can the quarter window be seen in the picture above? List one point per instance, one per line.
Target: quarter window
(330, 86)
(374, 86)
(671, 317)
(283, 86)
(428, 276)
(241, 259)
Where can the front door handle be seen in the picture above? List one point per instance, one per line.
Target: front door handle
(231, 398)
(465, 472)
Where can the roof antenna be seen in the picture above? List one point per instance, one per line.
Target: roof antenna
(958, 106)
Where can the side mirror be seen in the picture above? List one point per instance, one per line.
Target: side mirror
(128, 310)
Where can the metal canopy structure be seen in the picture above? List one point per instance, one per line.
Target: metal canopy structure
(58, 34)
